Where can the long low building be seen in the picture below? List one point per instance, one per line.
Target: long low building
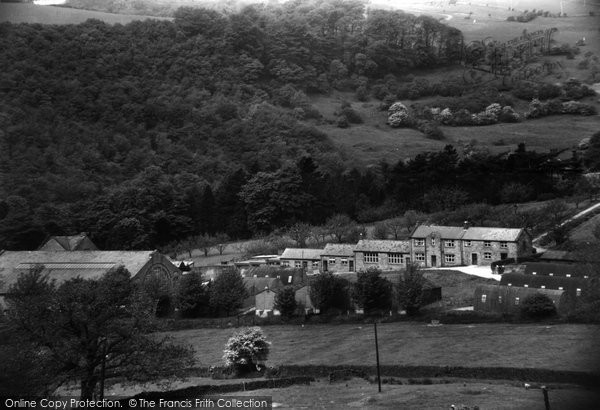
(508, 299)
(62, 266)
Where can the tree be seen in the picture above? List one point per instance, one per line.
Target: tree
(227, 293)
(193, 296)
(538, 306)
(329, 292)
(285, 301)
(340, 227)
(410, 289)
(84, 325)
(205, 242)
(371, 292)
(380, 231)
(221, 240)
(300, 232)
(246, 350)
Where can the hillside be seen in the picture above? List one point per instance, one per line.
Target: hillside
(31, 13)
(154, 132)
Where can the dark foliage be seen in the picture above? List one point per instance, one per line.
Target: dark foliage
(372, 292)
(227, 293)
(285, 301)
(538, 306)
(329, 293)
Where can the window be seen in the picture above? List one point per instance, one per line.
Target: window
(468, 243)
(331, 261)
(487, 244)
(578, 292)
(499, 298)
(420, 257)
(395, 258)
(286, 264)
(483, 297)
(419, 242)
(516, 301)
(344, 262)
(487, 255)
(297, 264)
(315, 264)
(449, 244)
(504, 245)
(449, 258)
(371, 257)
(432, 241)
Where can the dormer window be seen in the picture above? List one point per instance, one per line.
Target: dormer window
(419, 242)
(449, 244)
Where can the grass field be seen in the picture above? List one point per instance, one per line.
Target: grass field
(583, 233)
(558, 347)
(30, 13)
(359, 394)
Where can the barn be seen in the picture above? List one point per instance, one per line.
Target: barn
(507, 299)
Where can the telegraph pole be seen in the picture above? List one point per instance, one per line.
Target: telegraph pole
(377, 356)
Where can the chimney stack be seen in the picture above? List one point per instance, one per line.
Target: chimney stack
(466, 225)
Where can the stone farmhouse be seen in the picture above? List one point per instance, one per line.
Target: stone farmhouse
(338, 257)
(438, 246)
(382, 254)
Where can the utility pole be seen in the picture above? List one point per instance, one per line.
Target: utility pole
(377, 356)
(103, 370)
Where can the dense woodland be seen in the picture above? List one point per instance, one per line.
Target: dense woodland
(155, 131)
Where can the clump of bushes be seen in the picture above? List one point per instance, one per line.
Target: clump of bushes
(527, 91)
(346, 115)
(538, 306)
(492, 114)
(539, 109)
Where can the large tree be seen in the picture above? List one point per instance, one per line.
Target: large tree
(410, 289)
(227, 293)
(372, 292)
(94, 329)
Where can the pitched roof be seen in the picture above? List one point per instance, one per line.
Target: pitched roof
(444, 232)
(301, 253)
(475, 233)
(338, 249)
(68, 243)
(377, 245)
(257, 285)
(492, 234)
(63, 266)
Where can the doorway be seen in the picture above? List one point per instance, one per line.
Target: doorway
(473, 259)
(434, 261)
(351, 266)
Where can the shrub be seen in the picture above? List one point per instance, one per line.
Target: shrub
(399, 119)
(285, 302)
(508, 114)
(342, 122)
(538, 306)
(246, 350)
(397, 107)
(352, 116)
(362, 94)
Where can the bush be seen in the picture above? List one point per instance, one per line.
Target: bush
(538, 306)
(246, 350)
(352, 116)
(285, 302)
(399, 119)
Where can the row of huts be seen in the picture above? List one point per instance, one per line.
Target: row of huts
(563, 282)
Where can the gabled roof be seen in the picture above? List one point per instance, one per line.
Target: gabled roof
(69, 243)
(302, 253)
(257, 285)
(492, 234)
(63, 266)
(380, 245)
(475, 233)
(338, 249)
(444, 232)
